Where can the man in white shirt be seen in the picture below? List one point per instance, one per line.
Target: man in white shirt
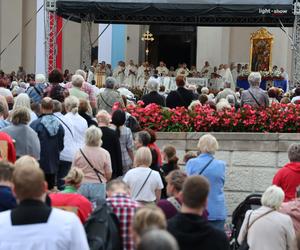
(33, 225)
(206, 70)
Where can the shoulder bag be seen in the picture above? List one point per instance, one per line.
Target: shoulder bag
(143, 185)
(254, 98)
(98, 173)
(244, 245)
(205, 167)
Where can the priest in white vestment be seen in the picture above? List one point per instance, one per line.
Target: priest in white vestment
(131, 75)
(142, 75)
(228, 77)
(162, 69)
(183, 71)
(119, 73)
(206, 70)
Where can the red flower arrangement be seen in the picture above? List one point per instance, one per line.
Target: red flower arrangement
(281, 118)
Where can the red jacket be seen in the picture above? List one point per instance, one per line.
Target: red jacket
(7, 148)
(288, 178)
(72, 202)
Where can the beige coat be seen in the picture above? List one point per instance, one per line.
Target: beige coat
(273, 231)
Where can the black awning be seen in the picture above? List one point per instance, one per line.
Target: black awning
(180, 12)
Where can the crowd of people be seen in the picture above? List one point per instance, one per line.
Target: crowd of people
(72, 146)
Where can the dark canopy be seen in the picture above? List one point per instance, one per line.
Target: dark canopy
(187, 12)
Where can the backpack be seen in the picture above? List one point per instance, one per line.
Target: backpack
(103, 229)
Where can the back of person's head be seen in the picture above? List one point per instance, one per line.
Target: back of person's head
(203, 99)
(176, 178)
(148, 217)
(208, 144)
(29, 182)
(204, 91)
(83, 106)
(297, 91)
(20, 115)
(74, 177)
(47, 104)
(143, 157)
(40, 78)
(110, 83)
(170, 153)
(272, 197)
(103, 117)
(81, 73)
(294, 152)
(195, 192)
(162, 88)
(285, 100)
(254, 79)
(152, 134)
(117, 186)
(152, 85)
(189, 155)
(77, 81)
(157, 239)
(118, 119)
(57, 106)
(230, 99)
(3, 101)
(27, 160)
(272, 93)
(71, 104)
(222, 105)
(56, 76)
(6, 172)
(180, 82)
(22, 100)
(144, 138)
(93, 136)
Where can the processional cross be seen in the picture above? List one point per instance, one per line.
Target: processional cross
(147, 37)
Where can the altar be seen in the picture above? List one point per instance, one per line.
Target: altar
(283, 84)
(170, 82)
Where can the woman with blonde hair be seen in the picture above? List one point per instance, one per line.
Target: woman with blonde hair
(95, 163)
(23, 100)
(147, 218)
(69, 199)
(145, 189)
(214, 170)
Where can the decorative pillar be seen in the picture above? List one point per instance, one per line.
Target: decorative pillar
(86, 49)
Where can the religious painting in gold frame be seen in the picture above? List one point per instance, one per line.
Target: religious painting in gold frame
(261, 50)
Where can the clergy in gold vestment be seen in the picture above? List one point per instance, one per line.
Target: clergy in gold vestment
(100, 76)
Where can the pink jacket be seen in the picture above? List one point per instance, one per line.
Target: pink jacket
(292, 208)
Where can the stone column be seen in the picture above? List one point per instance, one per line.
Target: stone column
(12, 57)
(86, 49)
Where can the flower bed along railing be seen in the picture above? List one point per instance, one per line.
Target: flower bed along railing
(279, 118)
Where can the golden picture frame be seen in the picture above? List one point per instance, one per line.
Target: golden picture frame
(261, 45)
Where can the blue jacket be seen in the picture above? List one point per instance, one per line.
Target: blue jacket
(51, 135)
(215, 173)
(36, 92)
(7, 199)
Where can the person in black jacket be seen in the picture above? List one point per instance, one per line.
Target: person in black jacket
(83, 112)
(181, 97)
(189, 227)
(153, 96)
(111, 143)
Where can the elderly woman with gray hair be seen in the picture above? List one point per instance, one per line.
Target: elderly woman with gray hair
(27, 141)
(109, 96)
(288, 177)
(153, 96)
(255, 96)
(214, 170)
(266, 228)
(95, 163)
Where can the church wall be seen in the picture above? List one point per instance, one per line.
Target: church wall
(240, 46)
(212, 45)
(11, 24)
